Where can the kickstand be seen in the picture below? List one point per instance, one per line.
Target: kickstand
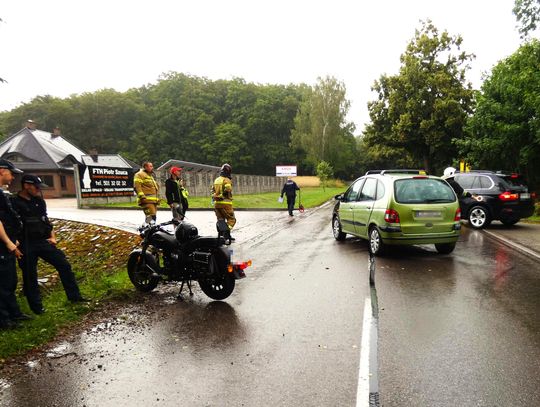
(188, 283)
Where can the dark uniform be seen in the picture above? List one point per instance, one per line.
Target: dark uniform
(34, 244)
(9, 308)
(289, 189)
(176, 195)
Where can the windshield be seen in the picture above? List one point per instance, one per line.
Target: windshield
(423, 190)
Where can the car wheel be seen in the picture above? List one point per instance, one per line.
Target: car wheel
(509, 222)
(376, 245)
(336, 229)
(479, 217)
(445, 248)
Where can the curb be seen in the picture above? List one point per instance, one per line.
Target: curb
(520, 248)
(193, 209)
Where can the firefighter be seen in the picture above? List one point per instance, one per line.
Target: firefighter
(147, 191)
(222, 199)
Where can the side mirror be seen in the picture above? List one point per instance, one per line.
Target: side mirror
(338, 197)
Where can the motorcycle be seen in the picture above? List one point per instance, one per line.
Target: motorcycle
(182, 255)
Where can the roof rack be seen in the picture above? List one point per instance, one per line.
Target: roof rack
(480, 171)
(383, 172)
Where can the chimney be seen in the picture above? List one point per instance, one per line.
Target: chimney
(93, 154)
(56, 132)
(30, 124)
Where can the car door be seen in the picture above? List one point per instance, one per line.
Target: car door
(347, 206)
(364, 206)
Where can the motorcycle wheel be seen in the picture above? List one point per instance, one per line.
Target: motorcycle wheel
(140, 276)
(219, 284)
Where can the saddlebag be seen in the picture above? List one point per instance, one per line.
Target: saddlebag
(201, 262)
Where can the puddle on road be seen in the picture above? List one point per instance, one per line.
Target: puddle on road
(4, 384)
(59, 350)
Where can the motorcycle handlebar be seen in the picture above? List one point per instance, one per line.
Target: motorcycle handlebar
(157, 226)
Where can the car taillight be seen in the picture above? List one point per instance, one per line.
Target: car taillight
(391, 216)
(508, 196)
(533, 195)
(457, 216)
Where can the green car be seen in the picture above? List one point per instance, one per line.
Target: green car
(398, 207)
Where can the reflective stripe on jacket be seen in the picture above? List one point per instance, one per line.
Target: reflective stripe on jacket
(222, 190)
(146, 187)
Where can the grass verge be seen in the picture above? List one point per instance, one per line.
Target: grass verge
(309, 196)
(98, 256)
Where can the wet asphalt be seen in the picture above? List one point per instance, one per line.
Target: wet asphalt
(456, 330)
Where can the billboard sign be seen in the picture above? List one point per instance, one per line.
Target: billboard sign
(286, 171)
(103, 182)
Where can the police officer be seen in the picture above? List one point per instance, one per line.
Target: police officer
(222, 198)
(10, 228)
(176, 194)
(39, 241)
(147, 191)
(289, 189)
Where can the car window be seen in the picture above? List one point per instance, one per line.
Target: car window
(352, 192)
(368, 190)
(515, 181)
(476, 183)
(380, 190)
(485, 182)
(465, 181)
(423, 190)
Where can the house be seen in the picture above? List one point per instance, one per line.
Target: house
(47, 155)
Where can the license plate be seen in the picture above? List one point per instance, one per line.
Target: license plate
(525, 195)
(427, 214)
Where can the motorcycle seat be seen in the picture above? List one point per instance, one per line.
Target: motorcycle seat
(205, 241)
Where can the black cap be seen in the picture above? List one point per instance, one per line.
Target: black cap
(8, 165)
(32, 179)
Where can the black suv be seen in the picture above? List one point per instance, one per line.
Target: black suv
(496, 196)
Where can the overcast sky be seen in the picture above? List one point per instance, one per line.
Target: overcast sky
(61, 47)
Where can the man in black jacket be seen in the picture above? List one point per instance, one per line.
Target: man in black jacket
(39, 241)
(10, 228)
(176, 194)
(290, 189)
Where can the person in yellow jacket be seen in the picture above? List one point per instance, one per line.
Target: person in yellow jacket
(222, 199)
(147, 191)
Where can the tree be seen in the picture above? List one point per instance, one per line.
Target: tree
(504, 132)
(321, 128)
(324, 172)
(527, 14)
(419, 111)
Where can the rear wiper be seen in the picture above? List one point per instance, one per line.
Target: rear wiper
(437, 200)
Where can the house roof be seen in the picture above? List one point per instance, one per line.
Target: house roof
(40, 150)
(107, 160)
(189, 166)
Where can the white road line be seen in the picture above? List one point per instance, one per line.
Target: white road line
(362, 393)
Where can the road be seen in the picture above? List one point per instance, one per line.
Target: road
(457, 330)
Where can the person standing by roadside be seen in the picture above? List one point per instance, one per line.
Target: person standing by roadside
(176, 194)
(222, 198)
(10, 228)
(289, 189)
(147, 191)
(38, 240)
(448, 176)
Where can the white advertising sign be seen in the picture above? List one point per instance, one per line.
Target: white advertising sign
(286, 171)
